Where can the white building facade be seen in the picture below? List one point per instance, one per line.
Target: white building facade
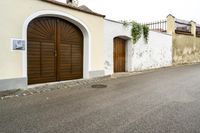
(104, 46)
(140, 56)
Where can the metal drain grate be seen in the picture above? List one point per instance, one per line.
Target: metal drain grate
(99, 86)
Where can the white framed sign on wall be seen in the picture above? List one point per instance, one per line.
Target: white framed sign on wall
(17, 44)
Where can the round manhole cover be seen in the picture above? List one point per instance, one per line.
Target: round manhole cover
(99, 86)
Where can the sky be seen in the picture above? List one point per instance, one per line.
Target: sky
(145, 10)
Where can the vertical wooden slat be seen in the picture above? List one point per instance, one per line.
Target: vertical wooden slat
(41, 58)
(57, 54)
(71, 51)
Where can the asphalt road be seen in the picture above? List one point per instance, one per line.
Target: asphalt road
(163, 101)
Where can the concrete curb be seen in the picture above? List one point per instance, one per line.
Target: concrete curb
(42, 88)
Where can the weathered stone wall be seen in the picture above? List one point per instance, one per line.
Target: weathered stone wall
(186, 49)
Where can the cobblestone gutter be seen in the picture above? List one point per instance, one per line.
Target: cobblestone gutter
(41, 88)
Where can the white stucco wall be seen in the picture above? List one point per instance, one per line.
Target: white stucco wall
(157, 53)
(15, 15)
(113, 29)
(140, 56)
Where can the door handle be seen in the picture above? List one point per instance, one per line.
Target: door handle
(55, 53)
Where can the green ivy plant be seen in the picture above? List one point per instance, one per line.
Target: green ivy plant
(145, 33)
(137, 31)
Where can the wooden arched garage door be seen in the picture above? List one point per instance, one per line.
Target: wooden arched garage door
(119, 55)
(55, 50)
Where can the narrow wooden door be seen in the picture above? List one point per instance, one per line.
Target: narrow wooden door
(119, 55)
(41, 47)
(70, 51)
(55, 50)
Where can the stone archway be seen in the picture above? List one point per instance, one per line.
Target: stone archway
(54, 50)
(69, 18)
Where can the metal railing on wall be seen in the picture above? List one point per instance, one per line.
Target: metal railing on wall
(160, 26)
(172, 24)
(182, 27)
(198, 31)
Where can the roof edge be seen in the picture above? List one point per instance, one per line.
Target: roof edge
(115, 21)
(71, 7)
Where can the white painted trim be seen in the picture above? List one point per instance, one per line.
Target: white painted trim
(70, 18)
